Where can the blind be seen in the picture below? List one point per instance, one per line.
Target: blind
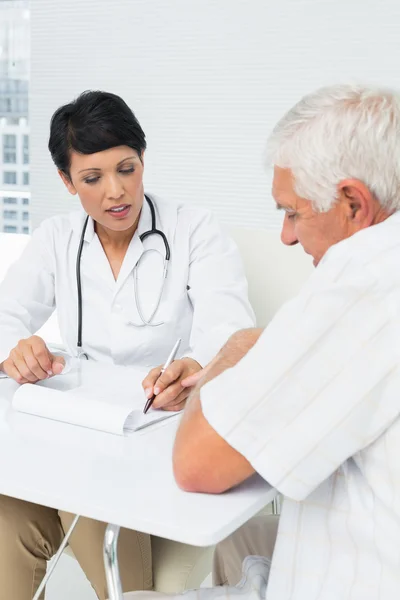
(207, 80)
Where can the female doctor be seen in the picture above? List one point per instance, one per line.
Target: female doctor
(128, 275)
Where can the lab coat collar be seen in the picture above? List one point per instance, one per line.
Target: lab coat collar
(94, 256)
(144, 219)
(135, 248)
(90, 232)
(93, 253)
(166, 221)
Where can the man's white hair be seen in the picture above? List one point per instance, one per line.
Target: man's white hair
(341, 132)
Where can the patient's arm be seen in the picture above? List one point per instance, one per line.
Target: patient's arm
(203, 460)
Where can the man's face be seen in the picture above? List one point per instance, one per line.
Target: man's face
(316, 232)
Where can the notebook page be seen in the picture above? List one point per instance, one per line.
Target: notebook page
(92, 394)
(72, 407)
(138, 420)
(105, 397)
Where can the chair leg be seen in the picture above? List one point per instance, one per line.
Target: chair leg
(276, 505)
(111, 562)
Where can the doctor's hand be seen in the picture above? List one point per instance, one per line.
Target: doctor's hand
(31, 361)
(171, 395)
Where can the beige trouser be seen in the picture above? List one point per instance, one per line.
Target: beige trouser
(31, 534)
(232, 567)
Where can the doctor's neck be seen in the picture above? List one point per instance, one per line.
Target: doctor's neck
(111, 238)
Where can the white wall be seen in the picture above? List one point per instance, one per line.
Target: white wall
(207, 79)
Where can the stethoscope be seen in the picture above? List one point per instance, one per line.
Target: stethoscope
(144, 322)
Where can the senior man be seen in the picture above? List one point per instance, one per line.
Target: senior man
(312, 403)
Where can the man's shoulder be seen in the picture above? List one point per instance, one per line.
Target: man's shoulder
(370, 250)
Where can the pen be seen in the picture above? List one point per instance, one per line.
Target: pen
(169, 360)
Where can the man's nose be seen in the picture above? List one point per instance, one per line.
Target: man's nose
(288, 235)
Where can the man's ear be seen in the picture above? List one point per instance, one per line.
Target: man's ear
(67, 182)
(357, 201)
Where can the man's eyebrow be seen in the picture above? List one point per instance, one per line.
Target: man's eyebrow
(289, 209)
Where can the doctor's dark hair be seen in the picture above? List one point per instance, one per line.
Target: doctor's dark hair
(93, 122)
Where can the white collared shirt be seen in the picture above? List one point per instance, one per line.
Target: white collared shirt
(203, 302)
(314, 406)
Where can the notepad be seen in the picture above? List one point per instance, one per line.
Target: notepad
(96, 395)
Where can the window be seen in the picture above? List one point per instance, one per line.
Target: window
(25, 150)
(25, 216)
(25, 230)
(10, 177)
(10, 214)
(14, 112)
(9, 148)
(5, 105)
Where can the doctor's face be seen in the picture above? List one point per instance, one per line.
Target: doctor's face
(109, 185)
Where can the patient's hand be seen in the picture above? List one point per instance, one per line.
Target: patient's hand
(171, 395)
(31, 361)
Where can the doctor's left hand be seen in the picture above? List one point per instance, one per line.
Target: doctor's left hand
(171, 395)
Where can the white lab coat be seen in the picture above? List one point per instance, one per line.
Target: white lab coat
(204, 299)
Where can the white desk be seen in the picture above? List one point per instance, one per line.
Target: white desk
(127, 481)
